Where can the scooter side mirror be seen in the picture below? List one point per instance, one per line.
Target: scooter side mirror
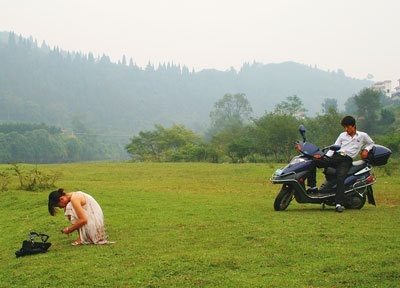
(302, 131)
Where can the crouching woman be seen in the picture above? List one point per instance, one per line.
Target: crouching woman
(85, 214)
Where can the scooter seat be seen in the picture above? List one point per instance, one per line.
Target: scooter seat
(358, 162)
(357, 166)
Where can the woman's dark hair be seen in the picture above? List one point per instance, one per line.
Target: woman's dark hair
(348, 121)
(54, 198)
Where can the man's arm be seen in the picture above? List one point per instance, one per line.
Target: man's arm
(369, 144)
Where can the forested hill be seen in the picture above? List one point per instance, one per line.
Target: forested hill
(43, 84)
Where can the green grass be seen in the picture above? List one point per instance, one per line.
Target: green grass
(201, 225)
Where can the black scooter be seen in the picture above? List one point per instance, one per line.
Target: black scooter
(358, 183)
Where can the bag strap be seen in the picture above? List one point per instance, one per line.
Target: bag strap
(34, 234)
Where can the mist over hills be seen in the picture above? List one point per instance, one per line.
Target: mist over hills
(43, 84)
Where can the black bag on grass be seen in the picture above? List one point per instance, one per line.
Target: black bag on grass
(30, 247)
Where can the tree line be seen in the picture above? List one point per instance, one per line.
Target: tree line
(233, 136)
(236, 137)
(42, 143)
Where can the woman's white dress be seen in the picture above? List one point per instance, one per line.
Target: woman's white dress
(94, 231)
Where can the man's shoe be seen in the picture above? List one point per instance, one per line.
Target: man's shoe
(339, 209)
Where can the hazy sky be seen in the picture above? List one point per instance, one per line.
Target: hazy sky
(360, 37)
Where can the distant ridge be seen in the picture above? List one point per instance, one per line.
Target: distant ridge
(49, 85)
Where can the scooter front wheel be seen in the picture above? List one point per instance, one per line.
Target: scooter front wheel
(284, 198)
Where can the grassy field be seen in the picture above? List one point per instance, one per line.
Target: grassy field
(201, 225)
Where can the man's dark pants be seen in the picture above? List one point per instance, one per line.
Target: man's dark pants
(342, 164)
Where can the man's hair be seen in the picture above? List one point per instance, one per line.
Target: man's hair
(348, 121)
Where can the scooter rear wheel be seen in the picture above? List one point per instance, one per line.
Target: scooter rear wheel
(355, 201)
(284, 198)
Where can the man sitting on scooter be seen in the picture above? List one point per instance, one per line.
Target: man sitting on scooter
(351, 142)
